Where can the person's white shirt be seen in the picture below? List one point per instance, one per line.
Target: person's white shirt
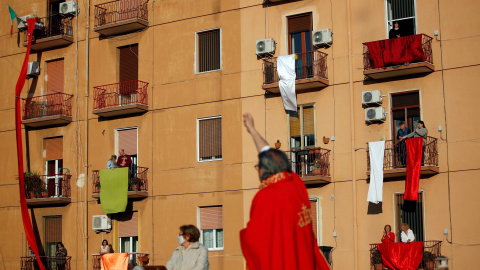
(408, 236)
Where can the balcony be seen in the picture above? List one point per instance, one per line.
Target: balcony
(43, 190)
(310, 69)
(394, 161)
(137, 185)
(50, 32)
(312, 165)
(135, 258)
(120, 98)
(398, 57)
(47, 110)
(121, 16)
(50, 262)
(431, 250)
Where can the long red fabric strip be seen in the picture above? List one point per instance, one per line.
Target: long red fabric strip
(27, 222)
(414, 165)
(401, 256)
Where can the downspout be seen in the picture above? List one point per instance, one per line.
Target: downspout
(87, 80)
(352, 135)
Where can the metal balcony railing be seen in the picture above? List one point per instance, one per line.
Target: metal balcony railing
(50, 263)
(47, 105)
(431, 250)
(135, 258)
(426, 48)
(120, 94)
(137, 180)
(310, 162)
(307, 65)
(52, 25)
(120, 10)
(396, 154)
(45, 186)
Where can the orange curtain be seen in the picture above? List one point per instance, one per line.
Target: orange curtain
(117, 261)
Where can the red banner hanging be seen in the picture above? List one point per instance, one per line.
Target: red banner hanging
(27, 222)
(414, 165)
(401, 256)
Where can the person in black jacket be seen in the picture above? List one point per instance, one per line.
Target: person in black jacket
(395, 31)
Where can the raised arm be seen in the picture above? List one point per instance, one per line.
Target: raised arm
(260, 142)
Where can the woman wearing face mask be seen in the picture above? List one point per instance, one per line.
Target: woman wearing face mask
(190, 255)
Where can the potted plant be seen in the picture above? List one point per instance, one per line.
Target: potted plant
(428, 259)
(33, 184)
(317, 167)
(135, 183)
(377, 260)
(44, 193)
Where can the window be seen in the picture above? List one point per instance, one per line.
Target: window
(54, 166)
(54, 6)
(127, 140)
(405, 107)
(128, 231)
(208, 50)
(211, 227)
(128, 74)
(53, 233)
(300, 42)
(209, 136)
(403, 12)
(413, 219)
(302, 128)
(55, 72)
(314, 216)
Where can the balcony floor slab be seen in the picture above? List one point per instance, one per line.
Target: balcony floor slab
(403, 70)
(301, 85)
(47, 121)
(121, 27)
(49, 201)
(425, 171)
(121, 110)
(50, 42)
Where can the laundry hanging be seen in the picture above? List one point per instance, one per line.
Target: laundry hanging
(377, 153)
(286, 73)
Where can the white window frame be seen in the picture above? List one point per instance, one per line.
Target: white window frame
(58, 177)
(214, 230)
(116, 141)
(302, 141)
(198, 139)
(319, 215)
(387, 24)
(196, 54)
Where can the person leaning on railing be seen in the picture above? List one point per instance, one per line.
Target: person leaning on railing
(407, 234)
(421, 131)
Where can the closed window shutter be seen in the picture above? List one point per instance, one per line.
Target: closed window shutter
(313, 214)
(210, 138)
(294, 126)
(209, 50)
(55, 78)
(54, 148)
(53, 229)
(127, 140)
(308, 120)
(128, 224)
(211, 218)
(300, 23)
(406, 99)
(128, 66)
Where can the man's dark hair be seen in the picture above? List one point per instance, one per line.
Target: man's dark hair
(401, 123)
(273, 161)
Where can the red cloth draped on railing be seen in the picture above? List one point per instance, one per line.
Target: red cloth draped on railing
(27, 222)
(414, 165)
(396, 51)
(401, 256)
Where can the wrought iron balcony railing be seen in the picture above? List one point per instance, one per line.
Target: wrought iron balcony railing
(310, 162)
(47, 105)
(120, 94)
(135, 258)
(51, 26)
(50, 263)
(137, 180)
(120, 10)
(45, 186)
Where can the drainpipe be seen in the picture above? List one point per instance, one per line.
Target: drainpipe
(87, 80)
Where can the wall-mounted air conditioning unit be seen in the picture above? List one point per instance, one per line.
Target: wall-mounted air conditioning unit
(265, 46)
(68, 8)
(373, 97)
(101, 223)
(22, 23)
(373, 115)
(322, 37)
(33, 69)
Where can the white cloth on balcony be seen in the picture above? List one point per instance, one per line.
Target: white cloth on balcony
(286, 73)
(377, 153)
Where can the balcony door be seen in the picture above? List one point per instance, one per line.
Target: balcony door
(52, 233)
(302, 138)
(406, 108)
(413, 218)
(128, 74)
(128, 233)
(403, 12)
(54, 166)
(300, 43)
(55, 87)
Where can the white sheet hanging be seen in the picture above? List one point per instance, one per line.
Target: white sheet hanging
(377, 153)
(286, 73)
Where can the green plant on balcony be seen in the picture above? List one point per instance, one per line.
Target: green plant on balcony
(135, 183)
(428, 259)
(377, 260)
(33, 184)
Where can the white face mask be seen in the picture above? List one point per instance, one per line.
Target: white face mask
(180, 239)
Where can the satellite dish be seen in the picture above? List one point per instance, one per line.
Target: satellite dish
(261, 46)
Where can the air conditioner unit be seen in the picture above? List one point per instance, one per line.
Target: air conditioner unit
(101, 223)
(265, 46)
(375, 115)
(33, 69)
(22, 23)
(68, 8)
(373, 97)
(322, 37)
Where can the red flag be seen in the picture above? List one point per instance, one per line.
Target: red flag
(414, 164)
(27, 222)
(401, 255)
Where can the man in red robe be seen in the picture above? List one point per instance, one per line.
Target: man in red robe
(123, 160)
(279, 234)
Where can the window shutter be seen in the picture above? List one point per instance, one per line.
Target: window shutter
(55, 79)
(54, 148)
(53, 229)
(211, 218)
(308, 120)
(294, 126)
(313, 214)
(127, 140)
(128, 66)
(210, 138)
(299, 23)
(209, 50)
(128, 224)
(406, 99)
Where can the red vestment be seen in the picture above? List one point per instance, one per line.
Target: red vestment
(279, 234)
(385, 239)
(127, 159)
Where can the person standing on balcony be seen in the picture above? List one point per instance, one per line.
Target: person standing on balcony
(421, 131)
(388, 235)
(407, 234)
(279, 234)
(124, 160)
(61, 255)
(402, 147)
(190, 254)
(395, 31)
(112, 163)
(104, 248)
